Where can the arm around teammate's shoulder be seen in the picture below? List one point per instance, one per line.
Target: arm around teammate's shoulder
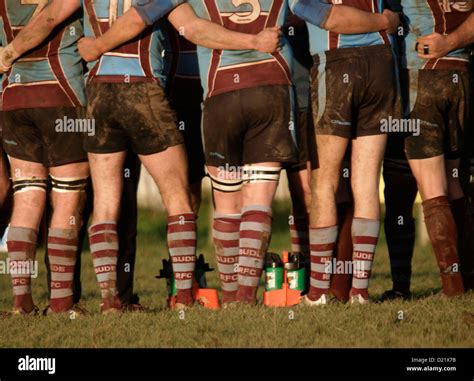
(214, 36)
(343, 19)
(37, 30)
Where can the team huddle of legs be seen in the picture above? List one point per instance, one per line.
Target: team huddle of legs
(144, 99)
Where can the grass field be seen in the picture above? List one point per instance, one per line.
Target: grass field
(428, 320)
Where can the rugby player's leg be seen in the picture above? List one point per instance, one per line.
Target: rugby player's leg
(366, 160)
(169, 170)
(69, 182)
(323, 230)
(427, 155)
(299, 185)
(341, 277)
(300, 193)
(127, 233)
(6, 192)
(460, 208)
(107, 182)
(227, 200)
(430, 174)
(258, 191)
(30, 185)
(400, 193)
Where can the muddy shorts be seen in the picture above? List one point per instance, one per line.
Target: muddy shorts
(49, 136)
(136, 114)
(353, 90)
(439, 105)
(249, 126)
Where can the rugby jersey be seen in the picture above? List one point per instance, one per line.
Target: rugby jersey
(322, 40)
(297, 33)
(223, 70)
(228, 70)
(50, 75)
(428, 16)
(139, 60)
(180, 56)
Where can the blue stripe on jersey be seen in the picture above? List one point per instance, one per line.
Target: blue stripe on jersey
(413, 86)
(319, 39)
(68, 87)
(421, 21)
(109, 65)
(120, 64)
(239, 18)
(21, 71)
(321, 87)
(315, 12)
(152, 10)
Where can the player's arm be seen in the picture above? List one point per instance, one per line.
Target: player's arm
(439, 45)
(195, 29)
(214, 36)
(343, 19)
(37, 30)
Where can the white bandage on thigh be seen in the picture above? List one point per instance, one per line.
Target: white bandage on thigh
(26, 184)
(69, 184)
(222, 184)
(260, 174)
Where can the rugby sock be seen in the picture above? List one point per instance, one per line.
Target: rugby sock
(322, 243)
(21, 244)
(399, 223)
(182, 247)
(299, 231)
(104, 249)
(461, 210)
(255, 232)
(225, 234)
(401, 244)
(62, 248)
(365, 234)
(341, 282)
(443, 235)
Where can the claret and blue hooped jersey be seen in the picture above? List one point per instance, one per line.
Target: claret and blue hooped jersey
(226, 70)
(50, 75)
(139, 60)
(229, 70)
(424, 17)
(322, 40)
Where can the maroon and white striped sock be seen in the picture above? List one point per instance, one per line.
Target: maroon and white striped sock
(182, 239)
(225, 234)
(255, 233)
(62, 248)
(299, 231)
(365, 234)
(104, 249)
(323, 241)
(21, 244)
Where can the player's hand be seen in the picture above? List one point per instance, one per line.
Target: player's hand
(3, 67)
(88, 49)
(8, 55)
(393, 21)
(433, 45)
(268, 40)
